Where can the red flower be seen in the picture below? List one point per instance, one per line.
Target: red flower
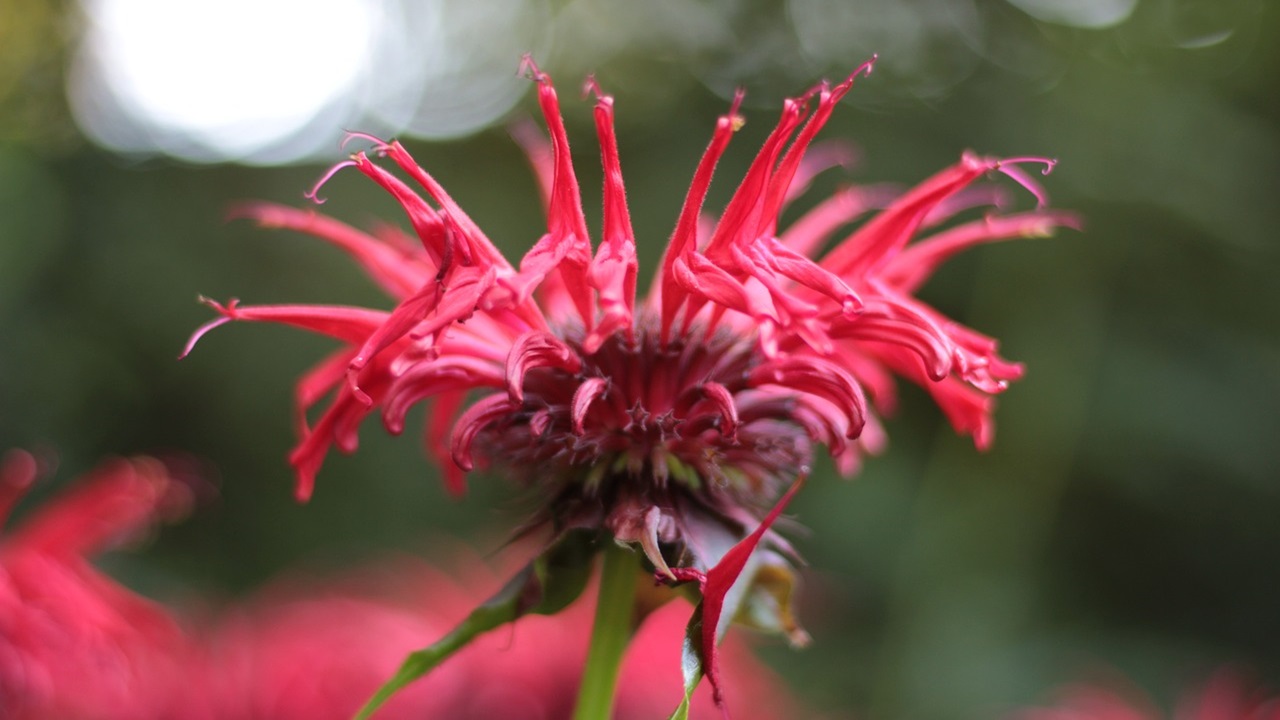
(73, 643)
(674, 420)
(1226, 696)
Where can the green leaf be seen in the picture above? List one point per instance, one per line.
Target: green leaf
(543, 587)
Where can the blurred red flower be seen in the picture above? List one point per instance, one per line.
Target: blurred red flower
(1226, 696)
(74, 644)
(318, 650)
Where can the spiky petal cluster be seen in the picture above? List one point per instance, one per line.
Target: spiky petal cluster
(671, 420)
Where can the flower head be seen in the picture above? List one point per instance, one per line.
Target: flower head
(671, 420)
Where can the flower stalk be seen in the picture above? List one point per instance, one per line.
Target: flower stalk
(609, 635)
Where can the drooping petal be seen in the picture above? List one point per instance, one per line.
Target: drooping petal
(908, 270)
(428, 379)
(444, 409)
(317, 382)
(537, 349)
(816, 376)
(432, 309)
(348, 324)
(587, 393)
(722, 400)
(472, 421)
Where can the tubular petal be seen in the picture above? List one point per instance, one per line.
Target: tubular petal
(588, 392)
(472, 421)
(537, 349)
(670, 295)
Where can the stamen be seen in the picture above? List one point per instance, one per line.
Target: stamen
(865, 68)
(735, 120)
(313, 193)
(379, 145)
(529, 69)
(591, 87)
(1009, 167)
(227, 314)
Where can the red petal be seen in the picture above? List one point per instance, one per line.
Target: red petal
(889, 231)
(475, 419)
(390, 267)
(819, 377)
(537, 349)
(684, 238)
(911, 267)
(566, 225)
(588, 392)
(349, 324)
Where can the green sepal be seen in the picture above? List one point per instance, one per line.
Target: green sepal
(543, 587)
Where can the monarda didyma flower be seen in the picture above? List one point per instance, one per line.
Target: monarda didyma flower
(669, 422)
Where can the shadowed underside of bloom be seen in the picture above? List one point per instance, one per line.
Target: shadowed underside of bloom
(671, 420)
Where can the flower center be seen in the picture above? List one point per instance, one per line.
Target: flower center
(648, 415)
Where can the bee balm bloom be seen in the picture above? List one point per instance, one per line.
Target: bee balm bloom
(671, 420)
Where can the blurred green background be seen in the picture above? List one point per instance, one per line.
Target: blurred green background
(1126, 519)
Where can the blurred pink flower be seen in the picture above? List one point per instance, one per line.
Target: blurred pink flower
(318, 650)
(1226, 696)
(74, 645)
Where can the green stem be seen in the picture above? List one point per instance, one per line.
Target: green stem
(610, 634)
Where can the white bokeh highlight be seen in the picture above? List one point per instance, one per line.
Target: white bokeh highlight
(277, 81)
